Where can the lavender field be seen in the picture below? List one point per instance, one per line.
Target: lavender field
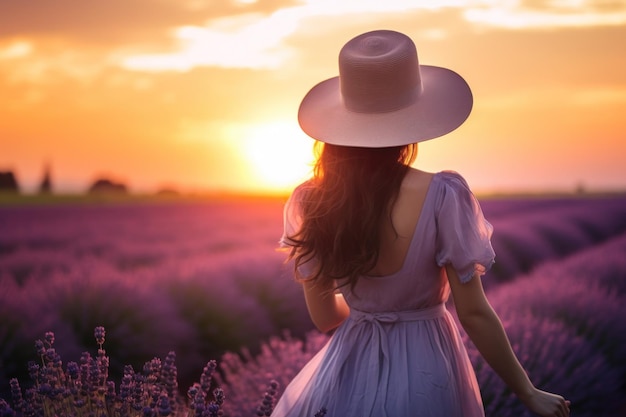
(204, 280)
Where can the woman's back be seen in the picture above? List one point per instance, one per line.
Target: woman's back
(433, 212)
(396, 236)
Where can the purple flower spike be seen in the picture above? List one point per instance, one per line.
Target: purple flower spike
(321, 412)
(49, 336)
(169, 375)
(45, 389)
(219, 396)
(126, 385)
(213, 410)
(267, 403)
(5, 409)
(40, 347)
(99, 334)
(110, 393)
(152, 370)
(51, 354)
(163, 406)
(33, 370)
(193, 391)
(73, 370)
(16, 395)
(207, 375)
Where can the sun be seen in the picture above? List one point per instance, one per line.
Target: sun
(279, 155)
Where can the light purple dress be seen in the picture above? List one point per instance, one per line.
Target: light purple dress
(399, 353)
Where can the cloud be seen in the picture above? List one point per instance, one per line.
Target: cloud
(591, 97)
(114, 22)
(600, 97)
(44, 42)
(243, 41)
(15, 49)
(548, 15)
(40, 63)
(179, 35)
(257, 40)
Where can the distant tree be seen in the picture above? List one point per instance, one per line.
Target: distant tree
(45, 187)
(168, 192)
(8, 182)
(106, 186)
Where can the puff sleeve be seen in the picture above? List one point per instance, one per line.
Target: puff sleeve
(463, 233)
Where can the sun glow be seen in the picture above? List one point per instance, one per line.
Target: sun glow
(279, 154)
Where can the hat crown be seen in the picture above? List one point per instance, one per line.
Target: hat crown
(379, 72)
(383, 97)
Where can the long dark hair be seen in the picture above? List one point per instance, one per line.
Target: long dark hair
(343, 207)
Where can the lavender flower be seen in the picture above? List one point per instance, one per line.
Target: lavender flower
(50, 355)
(111, 395)
(16, 395)
(103, 367)
(267, 404)
(5, 409)
(152, 370)
(197, 398)
(99, 334)
(321, 412)
(207, 375)
(169, 376)
(212, 410)
(49, 337)
(126, 384)
(33, 370)
(137, 393)
(163, 406)
(218, 394)
(73, 370)
(41, 348)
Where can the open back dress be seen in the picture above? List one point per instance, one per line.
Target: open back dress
(399, 353)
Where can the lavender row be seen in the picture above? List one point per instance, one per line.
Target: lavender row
(200, 279)
(528, 238)
(566, 322)
(39, 241)
(200, 311)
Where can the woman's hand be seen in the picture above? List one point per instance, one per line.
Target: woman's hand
(546, 404)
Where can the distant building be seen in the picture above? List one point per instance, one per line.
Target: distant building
(45, 187)
(106, 186)
(8, 182)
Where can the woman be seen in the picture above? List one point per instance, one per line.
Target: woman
(379, 246)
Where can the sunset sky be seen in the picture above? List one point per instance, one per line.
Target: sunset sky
(203, 95)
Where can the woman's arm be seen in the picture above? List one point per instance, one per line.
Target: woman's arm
(488, 335)
(326, 308)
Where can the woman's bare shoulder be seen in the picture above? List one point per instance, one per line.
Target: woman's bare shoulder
(417, 180)
(410, 200)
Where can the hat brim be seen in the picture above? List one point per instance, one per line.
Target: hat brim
(443, 105)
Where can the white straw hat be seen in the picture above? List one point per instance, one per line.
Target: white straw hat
(383, 97)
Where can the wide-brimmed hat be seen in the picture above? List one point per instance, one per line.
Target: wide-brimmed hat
(383, 97)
